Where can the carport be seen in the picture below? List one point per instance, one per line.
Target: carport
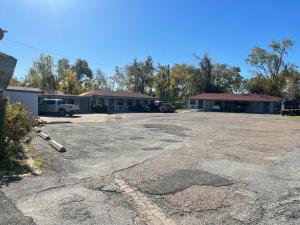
(251, 103)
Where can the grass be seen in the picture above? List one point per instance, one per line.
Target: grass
(10, 165)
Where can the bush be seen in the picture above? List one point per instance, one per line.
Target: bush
(17, 127)
(99, 108)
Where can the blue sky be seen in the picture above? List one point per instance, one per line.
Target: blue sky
(110, 33)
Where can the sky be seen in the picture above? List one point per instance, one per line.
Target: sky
(109, 33)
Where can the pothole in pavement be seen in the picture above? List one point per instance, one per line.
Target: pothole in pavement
(182, 179)
(168, 128)
(73, 208)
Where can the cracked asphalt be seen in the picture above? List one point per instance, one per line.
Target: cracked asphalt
(182, 168)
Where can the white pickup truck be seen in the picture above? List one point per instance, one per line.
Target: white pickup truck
(57, 106)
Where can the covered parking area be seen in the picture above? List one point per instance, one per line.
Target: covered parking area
(251, 103)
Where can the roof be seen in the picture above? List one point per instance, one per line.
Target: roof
(236, 97)
(108, 93)
(30, 89)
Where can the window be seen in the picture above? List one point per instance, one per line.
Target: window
(60, 102)
(120, 101)
(145, 102)
(71, 101)
(192, 102)
(129, 102)
(50, 102)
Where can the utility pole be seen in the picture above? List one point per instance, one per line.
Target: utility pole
(7, 67)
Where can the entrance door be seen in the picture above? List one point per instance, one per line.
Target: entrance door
(111, 105)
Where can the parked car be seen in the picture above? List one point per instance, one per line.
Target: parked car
(162, 106)
(290, 107)
(57, 106)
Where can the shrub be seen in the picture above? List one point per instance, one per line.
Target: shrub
(18, 126)
(99, 108)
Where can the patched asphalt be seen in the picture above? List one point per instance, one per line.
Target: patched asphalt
(180, 180)
(197, 168)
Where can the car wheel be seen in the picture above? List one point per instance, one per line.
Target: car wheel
(62, 112)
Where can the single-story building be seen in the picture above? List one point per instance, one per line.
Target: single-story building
(252, 103)
(118, 101)
(29, 97)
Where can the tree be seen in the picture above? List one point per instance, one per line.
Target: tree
(119, 78)
(181, 82)
(70, 85)
(292, 88)
(162, 82)
(63, 66)
(140, 77)
(226, 79)
(206, 73)
(32, 78)
(100, 81)
(270, 66)
(15, 82)
(82, 69)
(42, 72)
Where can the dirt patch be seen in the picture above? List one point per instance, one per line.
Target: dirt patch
(182, 179)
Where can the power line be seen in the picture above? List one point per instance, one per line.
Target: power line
(53, 52)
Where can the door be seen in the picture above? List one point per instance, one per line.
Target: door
(111, 105)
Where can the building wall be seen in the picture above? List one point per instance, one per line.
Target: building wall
(114, 101)
(254, 107)
(28, 99)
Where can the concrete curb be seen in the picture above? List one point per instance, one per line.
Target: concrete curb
(36, 129)
(44, 136)
(58, 147)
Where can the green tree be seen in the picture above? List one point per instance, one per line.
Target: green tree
(270, 67)
(181, 82)
(226, 79)
(82, 70)
(162, 82)
(206, 72)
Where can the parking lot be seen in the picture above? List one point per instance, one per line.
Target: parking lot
(181, 168)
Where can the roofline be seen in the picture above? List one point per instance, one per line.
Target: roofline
(241, 100)
(27, 91)
(110, 96)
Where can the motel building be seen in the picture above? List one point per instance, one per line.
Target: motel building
(116, 101)
(250, 103)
